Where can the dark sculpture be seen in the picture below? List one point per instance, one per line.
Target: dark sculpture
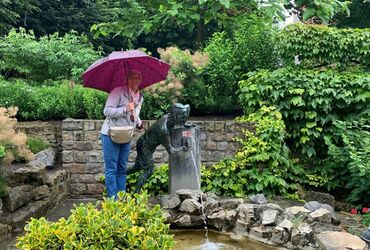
(158, 134)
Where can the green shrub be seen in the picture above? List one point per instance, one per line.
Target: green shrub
(262, 163)
(321, 45)
(46, 58)
(157, 184)
(124, 224)
(366, 219)
(94, 102)
(309, 100)
(250, 47)
(348, 157)
(36, 144)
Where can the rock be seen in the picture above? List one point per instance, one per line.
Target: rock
(230, 218)
(231, 203)
(340, 241)
(41, 192)
(183, 220)
(191, 206)
(287, 225)
(17, 197)
(211, 205)
(258, 199)
(1, 206)
(314, 205)
(279, 235)
(170, 201)
(295, 212)
(241, 227)
(45, 157)
(260, 232)
(54, 177)
(4, 231)
(189, 194)
(269, 206)
(246, 213)
(320, 197)
(302, 235)
(321, 215)
(269, 217)
(34, 175)
(217, 219)
(319, 227)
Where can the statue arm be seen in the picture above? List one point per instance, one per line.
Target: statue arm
(170, 149)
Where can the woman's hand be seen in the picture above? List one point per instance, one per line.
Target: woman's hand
(130, 107)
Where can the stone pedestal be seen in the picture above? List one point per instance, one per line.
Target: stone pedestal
(184, 166)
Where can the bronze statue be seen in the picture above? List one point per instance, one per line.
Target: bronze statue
(158, 134)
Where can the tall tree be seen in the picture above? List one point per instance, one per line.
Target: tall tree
(359, 18)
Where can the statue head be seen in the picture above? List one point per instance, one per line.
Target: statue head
(178, 114)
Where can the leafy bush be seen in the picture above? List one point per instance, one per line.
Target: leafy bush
(310, 101)
(321, 45)
(94, 102)
(48, 57)
(124, 224)
(12, 144)
(348, 157)
(261, 164)
(250, 47)
(157, 184)
(36, 144)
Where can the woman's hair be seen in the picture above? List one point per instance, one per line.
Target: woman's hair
(133, 72)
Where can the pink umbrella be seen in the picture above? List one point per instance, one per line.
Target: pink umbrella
(110, 72)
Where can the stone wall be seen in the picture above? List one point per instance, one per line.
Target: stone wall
(82, 150)
(50, 131)
(32, 190)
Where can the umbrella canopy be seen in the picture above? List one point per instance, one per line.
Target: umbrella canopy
(111, 71)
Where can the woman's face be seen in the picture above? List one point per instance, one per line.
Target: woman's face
(133, 81)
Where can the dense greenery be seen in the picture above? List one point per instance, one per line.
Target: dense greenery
(36, 144)
(124, 224)
(359, 18)
(348, 157)
(250, 47)
(46, 58)
(309, 100)
(317, 45)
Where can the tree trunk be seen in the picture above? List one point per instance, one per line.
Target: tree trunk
(200, 31)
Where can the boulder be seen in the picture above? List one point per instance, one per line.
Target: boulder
(231, 203)
(295, 212)
(320, 197)
(170, 201)
(217, 219)
(269, 217)
(279, 235)
(340, 241)
(302, 235)
(189, 194)
(287, 225)
(258, 199)
(191, 206)
(34, 175)
(45, 157)
(17, 197)
(321, 215)
(41, 192)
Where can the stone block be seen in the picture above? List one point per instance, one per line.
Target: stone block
(55, 177)
(209, 126)
(17, 197)
(67, 136)
(231, 203)
(217, 156)
(210, 145)
(68, 145)
(92, 136)
(219, 137)
(279, 235)
(34, 175)
(41, 192)
(80, 156)
(191, 206)
(71, 125)
(229, 126)
(96, 188)
(88, 125)
(67, 156)
(260, 232)
(75, 168)
(94, 168)
(230, 137)
(321, 215)
(222, 146)
(219, 127)
(170, 201)
(84, 146)
(95, 157)
(83, 178)
(269, 217)
(78, 188)
(78, 135)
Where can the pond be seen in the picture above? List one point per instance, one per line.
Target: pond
(195, 239)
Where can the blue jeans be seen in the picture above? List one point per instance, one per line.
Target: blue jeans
(115, 160)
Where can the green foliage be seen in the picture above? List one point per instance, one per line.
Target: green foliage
(157, 184)
(322, 45)
(348, 157)
(250, 47)
(49, 57)
(310, 101)
(94, 102)
(366, 219)
(262, 163)
(124, 224)
(35, 144)
(359, 18)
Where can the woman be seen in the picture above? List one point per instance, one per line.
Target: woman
(121, 109)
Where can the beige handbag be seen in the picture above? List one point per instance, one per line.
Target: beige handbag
(121, 134)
